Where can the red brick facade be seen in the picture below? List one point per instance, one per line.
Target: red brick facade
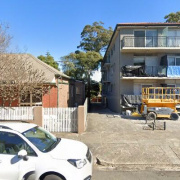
(65, 93)
(50, 99)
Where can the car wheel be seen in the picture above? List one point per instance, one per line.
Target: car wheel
(52, 177)
(174, 116)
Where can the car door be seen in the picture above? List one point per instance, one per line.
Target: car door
(11, 166)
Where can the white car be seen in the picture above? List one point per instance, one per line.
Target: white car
(28, 152)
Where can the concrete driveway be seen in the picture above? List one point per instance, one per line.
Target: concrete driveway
(123, 143)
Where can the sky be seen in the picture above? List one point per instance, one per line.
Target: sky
(55, 26)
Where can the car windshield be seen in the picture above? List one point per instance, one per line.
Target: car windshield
(41, 138)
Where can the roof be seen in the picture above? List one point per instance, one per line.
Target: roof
(49, 71)
(18, 126)
(148, 24)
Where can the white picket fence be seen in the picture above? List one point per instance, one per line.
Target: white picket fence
(16, 113)
(60, 119)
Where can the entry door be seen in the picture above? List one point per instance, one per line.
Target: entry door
(139, 38)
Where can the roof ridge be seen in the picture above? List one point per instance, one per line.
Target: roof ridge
(52, 69)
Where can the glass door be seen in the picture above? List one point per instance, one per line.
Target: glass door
(171, 38)
(151, 38)
(139, 38)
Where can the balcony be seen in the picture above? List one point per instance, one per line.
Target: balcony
(151, 44)
(144, 71)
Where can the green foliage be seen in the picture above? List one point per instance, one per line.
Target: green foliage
(48, 59)
(95, 88)
(173, 17)
(81, 64)
(95, 37)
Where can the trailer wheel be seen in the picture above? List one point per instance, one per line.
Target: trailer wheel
(174, 116)
(151, 116)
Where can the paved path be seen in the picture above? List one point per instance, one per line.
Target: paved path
(129, 144)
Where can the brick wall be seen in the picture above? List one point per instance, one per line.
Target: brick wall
(14, 103)
(50, 99)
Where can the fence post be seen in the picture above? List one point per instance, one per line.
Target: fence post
(38, 116)
(81, 120)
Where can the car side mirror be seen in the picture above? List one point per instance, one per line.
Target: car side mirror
(23, 154)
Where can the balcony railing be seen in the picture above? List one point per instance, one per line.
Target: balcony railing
(144, 71)
(151, 41)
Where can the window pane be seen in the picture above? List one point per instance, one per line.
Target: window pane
(177, 61)
(11, 144)
(41, 138)
(171, 61)
(139, 38)
(151, 38)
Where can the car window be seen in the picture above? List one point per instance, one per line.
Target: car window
(11, 144)
(41, 138)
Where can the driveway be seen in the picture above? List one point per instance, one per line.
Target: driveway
(124, 143)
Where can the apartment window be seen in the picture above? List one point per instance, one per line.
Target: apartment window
(151, 38)
(173, 61)
(145, 38)
(173, 38)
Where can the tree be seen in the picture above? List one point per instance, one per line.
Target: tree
(5, 38)
(48, 59)
(95, 37)
(19, 79)
(95, 88)
(173, 17)
(81, 65)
